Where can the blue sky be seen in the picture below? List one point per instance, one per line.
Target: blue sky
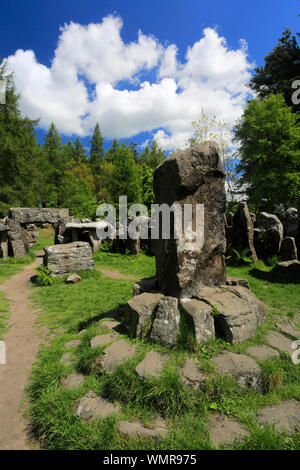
(138, 87)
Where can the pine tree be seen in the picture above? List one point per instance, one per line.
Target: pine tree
(97, 152)
(79, 152)
(19, 153)
(126, 178)
(153, 155)
(112, 151)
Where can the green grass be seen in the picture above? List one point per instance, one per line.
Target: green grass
(69, 308)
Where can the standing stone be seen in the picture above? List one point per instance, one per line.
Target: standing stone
(290, 222)
(3, 241)
(202, 318)
(192, 176)
(65, 259)
(271, 233)
(288, 249)
(242, 233)
(33, 234)
(16, 247)
(165, 328)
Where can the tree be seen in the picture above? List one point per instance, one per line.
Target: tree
(20, 155)
(269, 138)
(78, 196)
(211, 128)
(79, 152)
(281, 68)
(147, 186)
(112, 151)
(97, 152)
(126, 179)
(53, 168)
(153, 155)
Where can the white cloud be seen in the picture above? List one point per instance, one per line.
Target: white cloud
(212, 77)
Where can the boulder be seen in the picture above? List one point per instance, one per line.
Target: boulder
(278, 341)
(144, 285)
(165, 327)
(16, 239)
(139, 313)
(288, 249)
(33, 234)
(185, 264)
(237, 312)
(73, 279)
(242, 233)
(243, 368)
(65, 259)
(202, 319)
(38, 215)
(72, 381)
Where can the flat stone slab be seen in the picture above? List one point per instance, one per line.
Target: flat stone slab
(262, 352)
(82, 331)
(136, 429)
(67, 358)
(279, 341)
(74, 343)
(91, 406)
(289, 330)
(115, 354)
(223, 430)
(72, 381)
(284, 417)
(152, 365)
(103, 339)
(191, 375)
(243, 368)
(109, 324)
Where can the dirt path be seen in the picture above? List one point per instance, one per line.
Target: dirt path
(22, 343)
(116, 274)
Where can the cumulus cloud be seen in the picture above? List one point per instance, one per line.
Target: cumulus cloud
(163, 96)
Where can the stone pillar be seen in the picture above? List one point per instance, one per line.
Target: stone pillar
(192, 176)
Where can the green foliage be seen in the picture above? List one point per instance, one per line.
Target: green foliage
(236, 257)
(126, 179)
(44, 276)
(269, 137)
(152, 156)
(281, 68)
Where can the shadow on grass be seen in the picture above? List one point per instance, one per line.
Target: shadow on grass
(115, 314)
(276, 275)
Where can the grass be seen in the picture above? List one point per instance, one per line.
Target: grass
(11, 266)
(69, 308)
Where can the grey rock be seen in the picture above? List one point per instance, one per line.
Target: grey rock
(136, 429)
(236, 281)
(72, 381)
(73, 279)
(279, 341)
(288, 249)
(202, 318)
(271, 233)
(109, 324)
(115, 354)
(139, 312)
(192, 176)
(65, 259)
(103, 339)
(191, 375)
(225, 430)
(67, 358)
(242, 234)
(285, 417)
(144, 285)
(74, 343)
(165, 327)
(92, 407)
(152, 365)
(243, 368)
(289, 329)
(290, 222)
(262, 352)
(40, 215)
